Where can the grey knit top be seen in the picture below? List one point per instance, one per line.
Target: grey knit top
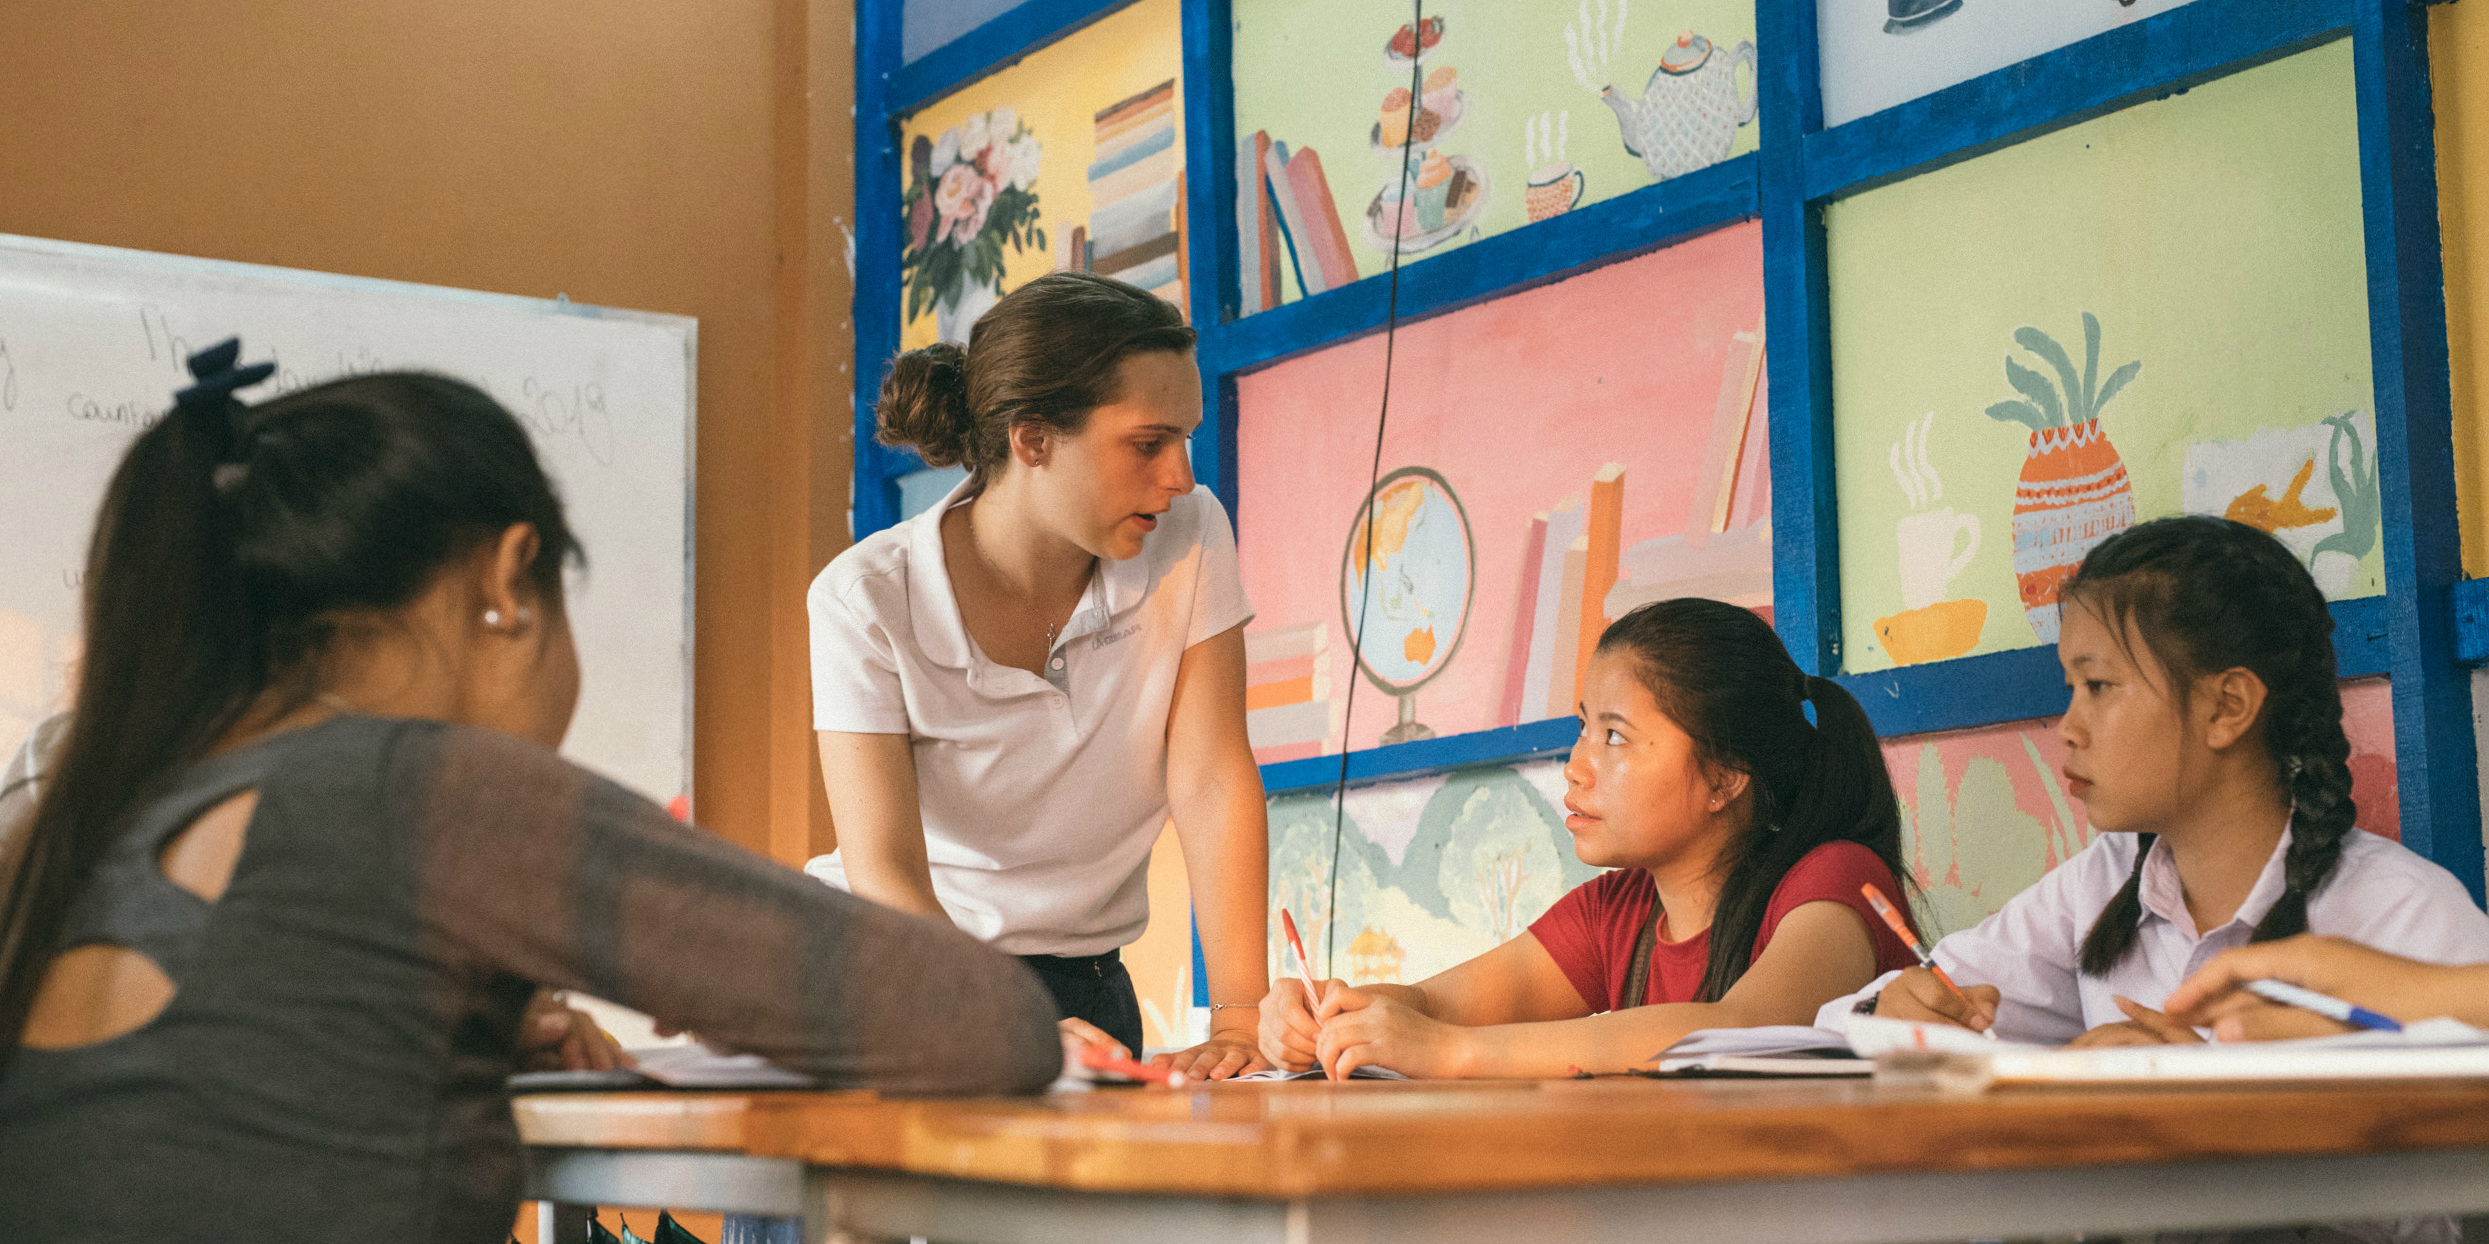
(331, 1065)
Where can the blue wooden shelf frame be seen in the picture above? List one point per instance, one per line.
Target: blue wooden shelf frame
(2425, 632)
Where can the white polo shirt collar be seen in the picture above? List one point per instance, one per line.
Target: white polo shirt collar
(941, 633)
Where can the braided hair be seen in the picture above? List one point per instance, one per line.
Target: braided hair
(2206, 595)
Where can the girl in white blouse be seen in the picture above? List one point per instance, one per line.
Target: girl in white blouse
(1015, 689)
(2205, 739)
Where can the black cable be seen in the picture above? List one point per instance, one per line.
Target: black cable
(1374, 476)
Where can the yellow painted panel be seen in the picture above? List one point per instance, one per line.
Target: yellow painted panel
(2459, 35)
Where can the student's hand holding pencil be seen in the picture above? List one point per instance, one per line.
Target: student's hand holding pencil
(1919, 994)
(1288, 1029)
(1371, 1028)
(2217, 997)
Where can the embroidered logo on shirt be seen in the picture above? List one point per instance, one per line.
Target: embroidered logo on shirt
(1114, 637)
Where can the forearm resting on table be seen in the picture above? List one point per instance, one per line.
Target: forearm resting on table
(1612, 1042)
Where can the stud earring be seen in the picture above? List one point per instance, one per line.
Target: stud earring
(492, 617)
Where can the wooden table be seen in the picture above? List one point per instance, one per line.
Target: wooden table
(1715, 1162)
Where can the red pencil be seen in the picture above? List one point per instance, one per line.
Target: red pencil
(1097, 1058)
(1287, 924)
(1305, 974)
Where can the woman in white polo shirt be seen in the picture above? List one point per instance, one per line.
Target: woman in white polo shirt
(1015, 689)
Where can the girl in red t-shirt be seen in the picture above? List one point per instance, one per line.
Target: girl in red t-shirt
(1739, 833)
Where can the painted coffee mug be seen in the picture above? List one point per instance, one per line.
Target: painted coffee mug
(1554, 189)
(1928, 559)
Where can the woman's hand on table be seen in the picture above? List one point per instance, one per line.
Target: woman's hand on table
(1083, 1032)
(1288, 1028)
(1363, 1029)
(1228, 1052)
(1918, 996)
(555, 1036)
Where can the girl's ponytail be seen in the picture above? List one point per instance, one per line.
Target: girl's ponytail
(2205, 595)
(229, 543)
(1843, 790)
(1721, 674)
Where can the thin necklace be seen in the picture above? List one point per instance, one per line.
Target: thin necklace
(995, 572)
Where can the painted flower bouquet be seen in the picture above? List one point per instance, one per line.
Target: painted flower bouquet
(970, 192)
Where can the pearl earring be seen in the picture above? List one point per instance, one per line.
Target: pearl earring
(492, 617)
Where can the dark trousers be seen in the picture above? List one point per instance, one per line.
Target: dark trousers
(1095, 988)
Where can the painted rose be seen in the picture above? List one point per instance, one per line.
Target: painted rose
(963, 199)
(1024, 161)
(974, 136)
(945, 153)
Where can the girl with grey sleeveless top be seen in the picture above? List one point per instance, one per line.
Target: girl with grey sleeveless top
(305, 852)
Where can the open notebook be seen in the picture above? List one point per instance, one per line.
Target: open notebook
(673, 1066)
(1949, 1057)
(1315, 1073)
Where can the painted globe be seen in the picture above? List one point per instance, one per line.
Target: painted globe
(1405, 585)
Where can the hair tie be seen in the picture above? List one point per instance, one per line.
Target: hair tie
(210, 405)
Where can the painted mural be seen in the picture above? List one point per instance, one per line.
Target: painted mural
(1071, 159)
(1553, 459)
(1431, 871)
(1878, 53)
(2158, 311)
(1364, 126)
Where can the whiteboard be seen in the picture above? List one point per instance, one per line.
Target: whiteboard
(92, 343)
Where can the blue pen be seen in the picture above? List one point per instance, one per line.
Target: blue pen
(2332, 1008)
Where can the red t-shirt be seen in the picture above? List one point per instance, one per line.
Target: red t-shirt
(1591, 931)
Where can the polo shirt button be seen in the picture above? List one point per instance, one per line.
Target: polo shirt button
(1058, 663)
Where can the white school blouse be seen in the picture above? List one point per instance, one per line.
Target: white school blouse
(2381, 893)
(1041, 797)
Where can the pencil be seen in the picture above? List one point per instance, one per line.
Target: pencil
(1303, 973)
(1901, 929)
(2331, 1007)
(1313, 995)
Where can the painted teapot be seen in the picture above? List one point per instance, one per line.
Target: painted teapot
(1688, 115)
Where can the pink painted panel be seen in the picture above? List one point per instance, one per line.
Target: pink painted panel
(1651, 366)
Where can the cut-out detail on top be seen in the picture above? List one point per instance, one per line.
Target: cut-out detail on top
(201, 858)
(93, 993)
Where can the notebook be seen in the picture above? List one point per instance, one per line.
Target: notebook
(674, 1066)
(1781, 1050)
(1952, 1058)
(1315, 1073)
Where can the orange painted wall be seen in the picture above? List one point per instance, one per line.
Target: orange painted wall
(2459, 73)
(692, 159)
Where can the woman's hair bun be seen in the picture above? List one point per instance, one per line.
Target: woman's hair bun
(924, 404)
